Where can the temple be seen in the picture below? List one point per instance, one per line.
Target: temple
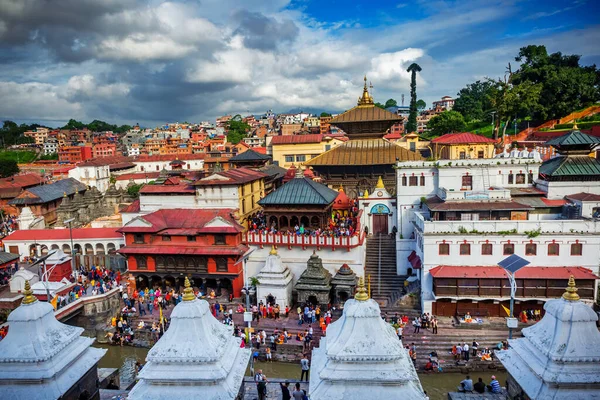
(559, 357)
(358, 163)
(197, 358)
(275, 279)
(44, 359)
(362, 358)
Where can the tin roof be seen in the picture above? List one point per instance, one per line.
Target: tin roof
(462, 138)
(373, 151)
(299, 139)
(574, 138)
(184, 249)
(300, 191)
(584, 197)
(180, 221)
(232, 177)
(437, 204)
(249, 155)
(570, 166)
(497, 272)
(48, 193)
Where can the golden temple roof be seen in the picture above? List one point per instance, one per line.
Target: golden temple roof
(372, 151)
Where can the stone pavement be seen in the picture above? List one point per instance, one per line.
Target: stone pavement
(477, 396)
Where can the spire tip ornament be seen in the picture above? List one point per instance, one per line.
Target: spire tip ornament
(273, 251)
(570, 293)
(365, 100)
(380, 184)
(361, 292)
(188, 293)
(29, 297)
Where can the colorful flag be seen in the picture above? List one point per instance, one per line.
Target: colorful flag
(507, 310)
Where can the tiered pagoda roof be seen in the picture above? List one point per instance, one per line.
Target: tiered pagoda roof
(300, 191)
(573, 161)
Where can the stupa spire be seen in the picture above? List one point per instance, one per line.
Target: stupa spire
(380, 184)
(570, 293)
(273, 251)
(29, 297)
(361, 292)
(366, 99)
(188, 293)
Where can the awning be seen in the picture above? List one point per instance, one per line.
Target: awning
(414, 260)
(496, 272)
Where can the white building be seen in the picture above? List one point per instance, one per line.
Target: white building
(446, 102)
(275, 279)
(559, 357)
(94, 172)
(50, 146)
(44, 359)
(133, 150)
(194, 162)
(362, 358)
(459, 218)
(197, 358)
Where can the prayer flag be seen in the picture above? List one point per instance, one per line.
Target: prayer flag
(54, 301)
(506, 309)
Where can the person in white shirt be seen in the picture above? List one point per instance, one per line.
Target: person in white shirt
(400, 331)
(466, 351)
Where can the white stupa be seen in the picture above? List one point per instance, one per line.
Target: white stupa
(362, 358)
(559, 357)
(44, 359)
(197, 358)
(275, 281)
(17, 282)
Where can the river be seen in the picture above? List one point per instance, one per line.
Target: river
(437, 385)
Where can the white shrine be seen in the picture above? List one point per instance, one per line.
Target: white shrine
(17, 282)
(275, 281)
(362, 358)
(559, 357)
(44, 359)
(197, 358)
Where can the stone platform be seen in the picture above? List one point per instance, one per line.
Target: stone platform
(273, 388)
(477, 396)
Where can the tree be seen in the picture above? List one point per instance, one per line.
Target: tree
(421, 105)
(473, 101)
(377, 104)
(391, 103)
(8, 168)
(566, 86)
(73, 124)
(134, 190)
(236, 129)
(324, 114)
(411, 126)
(446, 122)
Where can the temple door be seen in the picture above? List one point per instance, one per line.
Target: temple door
(380, 223)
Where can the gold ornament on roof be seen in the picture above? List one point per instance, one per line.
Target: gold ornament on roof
(273, 251)
(570, 293)
(379, 183)
(361, 292)
(188, 293)
(366, 100)
(29, 297)
(366, 195)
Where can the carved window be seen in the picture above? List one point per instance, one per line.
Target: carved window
(166, 238)
(412, 181)
(141, 262)
(221, 264)
(404, 181)
(220, 239)
(201, 264)
(467, 182)
(138, 238)
(465, 249)
(576, 249)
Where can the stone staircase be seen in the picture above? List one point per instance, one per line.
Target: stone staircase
(391, 286)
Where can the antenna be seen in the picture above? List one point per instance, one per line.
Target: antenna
(371, 87)
(402, 99)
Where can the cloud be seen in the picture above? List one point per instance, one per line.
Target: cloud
(262, 32)
(545, 14)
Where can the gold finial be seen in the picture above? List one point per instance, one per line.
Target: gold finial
(366, 99)
(64, 194)
(575, 126)
(571, 291)
(379, 183)
(341, 189)
(366, 195)
(273, 251)
(361, 292)
(29, 297)
(188, 293)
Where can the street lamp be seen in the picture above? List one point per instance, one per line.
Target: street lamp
(511, 265)
(46, 273)
(73, 269)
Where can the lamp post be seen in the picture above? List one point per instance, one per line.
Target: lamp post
(46, 273)
(511, 265)
(73, 269)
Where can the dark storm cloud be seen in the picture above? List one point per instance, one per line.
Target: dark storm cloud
(262, 32)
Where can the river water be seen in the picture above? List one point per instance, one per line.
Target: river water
(437, 385)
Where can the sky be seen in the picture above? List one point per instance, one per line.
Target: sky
(151, 62)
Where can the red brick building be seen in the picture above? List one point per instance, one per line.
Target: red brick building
(74, 154)
(164, 247)
(104, 150)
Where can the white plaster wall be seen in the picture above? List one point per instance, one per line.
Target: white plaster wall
(24, 246)
(218, 197)
(151, 203)
(92, 176)
(153, 166)
(283, 295)
(127, 217)
(296, 259)
(558, 190)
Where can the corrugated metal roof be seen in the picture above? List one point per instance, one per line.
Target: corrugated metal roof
(573, 138)
(274, 171)
(300, 191)
(184, 249)
(249, 155)
(365, 152)
(570, 166)
(51, 192)
(496, 272)
(462, 138)
(437, 204)
(584, 197)
(7, 257)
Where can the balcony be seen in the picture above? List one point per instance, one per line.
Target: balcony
(290, 240)
(506, 227)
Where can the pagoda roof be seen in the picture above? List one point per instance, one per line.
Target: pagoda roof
(300, 191)
(372, 151)
(342, 202)
(249, 156)
(365, 114)
(574, 138)
(570, 166)
(178, 221)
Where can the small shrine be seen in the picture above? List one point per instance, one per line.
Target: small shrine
(197, 358)
(343, 283)
(44, 359)
(314, 285)
(362, 358)
(558, 357)
(275, 279)
(379, 209)
(18, 280)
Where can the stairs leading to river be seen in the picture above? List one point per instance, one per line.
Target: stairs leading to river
(389, 286)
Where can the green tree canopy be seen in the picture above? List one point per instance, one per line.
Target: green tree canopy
(11, 133)
(474, 102)
(324, 114)
(421, 105)
(236, 129)
(391, 103)
(446, 122)
(134, 190)
(377, 104)
(8, 168)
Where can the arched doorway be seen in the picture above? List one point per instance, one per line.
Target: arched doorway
(343, 296)
(66, 249)
(313, 300)
(89, 249)
(169, 281)
(273, 222)
(99, 249)
(294, 221)
(304, 221)
(283, 222)
(380, 213)
(142, 282)
(315, 222)
(270, 299)
(44, 250)
(54, 247)
(112, 249)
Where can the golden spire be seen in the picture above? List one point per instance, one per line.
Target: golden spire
(575, 126)
(273, 251)
(64, 194)
(188, 293)
(379, 183)
(571, 291)
(341, 189)
(29, 297)
(366, 100)
(366, 195)
(361, 292)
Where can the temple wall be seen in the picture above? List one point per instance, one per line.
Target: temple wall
(296, 258)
